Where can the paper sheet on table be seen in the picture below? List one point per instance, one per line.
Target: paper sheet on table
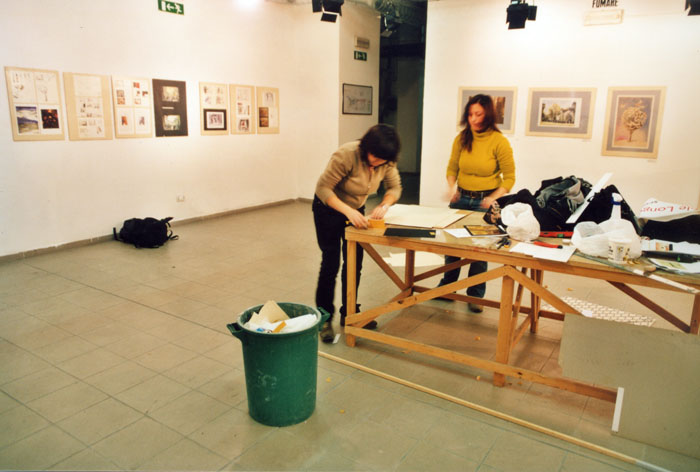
(422, 259)
(675, 266)
(458, 232)
(421, 216)
(549, 253)
(662, 245)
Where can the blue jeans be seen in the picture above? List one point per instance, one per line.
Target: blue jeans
(475, 268)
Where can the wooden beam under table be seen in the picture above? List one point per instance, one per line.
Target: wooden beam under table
(497, 367)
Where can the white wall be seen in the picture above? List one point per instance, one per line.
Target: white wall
(468, 44)
(358, 20)
(58, 192)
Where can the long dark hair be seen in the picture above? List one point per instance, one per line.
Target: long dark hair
(489, 122)
(381, 141)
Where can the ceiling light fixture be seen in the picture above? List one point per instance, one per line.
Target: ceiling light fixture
(518, 12)
(330, 9)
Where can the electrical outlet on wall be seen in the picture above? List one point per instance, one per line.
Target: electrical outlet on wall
(180, 198)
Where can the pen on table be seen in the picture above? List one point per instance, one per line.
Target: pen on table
(543, 244)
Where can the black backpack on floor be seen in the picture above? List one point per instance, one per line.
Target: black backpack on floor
(145, 232)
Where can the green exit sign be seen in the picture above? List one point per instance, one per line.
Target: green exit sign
(171, 7)
(360, 56)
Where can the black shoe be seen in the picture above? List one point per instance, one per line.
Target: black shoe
(327, 333)
(474, 308)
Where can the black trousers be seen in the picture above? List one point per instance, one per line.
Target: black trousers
(330, 234)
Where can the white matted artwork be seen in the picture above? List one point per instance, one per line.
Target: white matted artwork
(88, 106)
(504, 100)
(133, 105)
(243, 117)
(560, 112)
(34, 97)
(213, 103)
(633, 121)
(357, 99)
(268, 105)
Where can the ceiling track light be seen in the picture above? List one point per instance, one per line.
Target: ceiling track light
(330, 9)
(518, 12)
(693, 7)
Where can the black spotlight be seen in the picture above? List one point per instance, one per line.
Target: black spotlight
(518, 12)
(693, 7)
(330, 9)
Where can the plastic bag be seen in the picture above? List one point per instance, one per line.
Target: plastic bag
(520, 222)
(594, 239)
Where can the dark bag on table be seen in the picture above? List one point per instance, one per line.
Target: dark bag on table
(145, 232)
(556, 199)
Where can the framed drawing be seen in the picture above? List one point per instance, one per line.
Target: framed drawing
(243, 118)
(133, 101)
(357, 99)
(560, 112)
(503, 100)
(34, 97)
(268, 99)
(633, 121)
(170, 107)
(213, 103)
(88, 106)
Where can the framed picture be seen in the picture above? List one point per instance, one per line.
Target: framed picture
(503, 100)
(268, 100)
(562, 113)
(243, 118)
(133, 102)
(88, 106)
(213, 104)
(214, 119)
(633, 121)
(35, 104)
(357, 99)
(170, 107)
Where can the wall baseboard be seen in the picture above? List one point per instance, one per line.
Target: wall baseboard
(110, 237)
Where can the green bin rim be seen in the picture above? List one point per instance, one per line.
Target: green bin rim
(241, 322)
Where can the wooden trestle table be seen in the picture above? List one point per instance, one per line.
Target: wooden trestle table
(511, 268)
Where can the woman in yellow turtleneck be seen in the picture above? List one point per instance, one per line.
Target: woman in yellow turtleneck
(481, 169)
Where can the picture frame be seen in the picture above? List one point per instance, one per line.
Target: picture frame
(88, 106)
(633, 121)
(560, 112)
(170, 107)
(36, 107)
(504, 100)
(213, 105)
(357, 99)
(215, 120)
(268, 110)
(133, 104)
(243, 109)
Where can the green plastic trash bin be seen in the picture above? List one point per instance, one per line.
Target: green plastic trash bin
(280, 369)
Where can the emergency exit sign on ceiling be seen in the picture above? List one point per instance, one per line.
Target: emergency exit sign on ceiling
(171, 7)
(360, 56)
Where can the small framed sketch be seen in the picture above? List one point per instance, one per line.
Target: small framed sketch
(633, 121)
(213, 101)
(357, 99)
(133, 101)
(268, 99)
(243, 118)
(35, 104)
(503, 101)
(88, 106)
(170, 107)
(560, 112)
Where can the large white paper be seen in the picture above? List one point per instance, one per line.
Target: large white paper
(549, 253)
(421, 216)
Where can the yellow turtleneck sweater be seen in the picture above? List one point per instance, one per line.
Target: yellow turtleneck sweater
(489, 165)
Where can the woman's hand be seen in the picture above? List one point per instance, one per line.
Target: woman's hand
(486, 202)
(379, 212)
(357, 219)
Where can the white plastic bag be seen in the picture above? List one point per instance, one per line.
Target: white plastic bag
(520, 222)
(594, 239)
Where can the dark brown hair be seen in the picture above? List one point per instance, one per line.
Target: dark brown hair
(381, 141)
(489, 118)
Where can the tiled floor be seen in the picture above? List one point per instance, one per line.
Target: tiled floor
(117, 358)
